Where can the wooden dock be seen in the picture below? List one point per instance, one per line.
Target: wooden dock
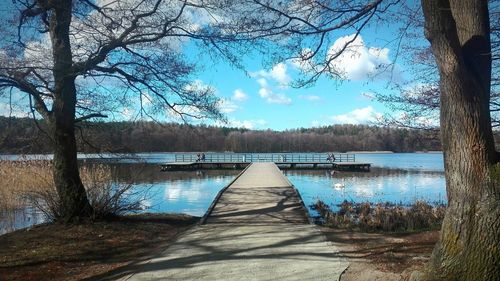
(190, 161)
(256, 229)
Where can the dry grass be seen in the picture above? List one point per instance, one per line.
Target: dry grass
(29, 183)
(382, 217)
(21, 177)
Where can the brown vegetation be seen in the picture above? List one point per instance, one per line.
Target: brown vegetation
(382, 217)
(29, 183)
(20, 178)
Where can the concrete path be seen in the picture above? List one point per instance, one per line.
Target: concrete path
(257, 231)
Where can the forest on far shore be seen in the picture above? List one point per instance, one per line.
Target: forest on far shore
(23, 135)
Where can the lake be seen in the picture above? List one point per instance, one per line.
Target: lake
(395, 177)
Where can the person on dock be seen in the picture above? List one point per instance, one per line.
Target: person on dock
(330, 158)
(202, 157)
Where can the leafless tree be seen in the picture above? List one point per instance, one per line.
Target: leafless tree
(82, 59)
(418, 98)
(460, 36)
(300, 31)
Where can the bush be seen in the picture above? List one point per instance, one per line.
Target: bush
(30, 183)
(382, 217)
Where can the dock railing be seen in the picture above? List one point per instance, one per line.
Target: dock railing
(319, 158)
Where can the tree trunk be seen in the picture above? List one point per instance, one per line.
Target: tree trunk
(73, 198)
(72, 195)
(469, 245)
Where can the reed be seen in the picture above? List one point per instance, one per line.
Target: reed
(29, 183)
(18, 178)
(382, 217)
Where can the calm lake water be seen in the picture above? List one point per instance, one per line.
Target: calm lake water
(395, 177)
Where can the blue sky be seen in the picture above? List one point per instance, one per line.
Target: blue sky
(262, 98)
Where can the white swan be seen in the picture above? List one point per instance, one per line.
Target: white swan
(339, 185)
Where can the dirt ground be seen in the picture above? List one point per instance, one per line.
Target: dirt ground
(382, 256)
(85, 251)
(92, 251)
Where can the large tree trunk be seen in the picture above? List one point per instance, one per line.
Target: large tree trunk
(73, 198)
(469, 246)
(72, 195)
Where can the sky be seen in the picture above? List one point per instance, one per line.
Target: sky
(263, 98)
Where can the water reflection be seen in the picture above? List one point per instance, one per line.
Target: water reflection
(377, 186)
(188, 192)
(406, 161)
(17, 219)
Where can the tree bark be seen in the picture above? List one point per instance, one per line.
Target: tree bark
(469, 245)
(72, 195)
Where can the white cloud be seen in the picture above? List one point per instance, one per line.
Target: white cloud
(262, 82)
(269, 81)
(310, 97)
(278, 73)
(198, 85)
(358, 61)
(357, 116)
(272, 97)
(146, 99)
(127, 113)
(304, 62)
(239, 95)
(247, 124)
(317, 123)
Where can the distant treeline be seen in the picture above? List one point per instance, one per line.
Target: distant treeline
(22, 135)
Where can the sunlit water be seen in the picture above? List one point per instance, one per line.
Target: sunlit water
(400, 178)
(190, 196)
(378, 186)
(405, 161)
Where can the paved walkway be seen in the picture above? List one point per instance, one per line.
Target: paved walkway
(257, 231)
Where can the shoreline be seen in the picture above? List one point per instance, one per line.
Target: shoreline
(101, 249)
